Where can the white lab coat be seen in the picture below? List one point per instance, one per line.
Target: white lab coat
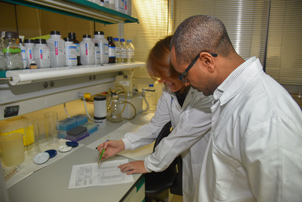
(255, 148)
(191, 124)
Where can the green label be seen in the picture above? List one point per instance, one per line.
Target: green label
(11, 50)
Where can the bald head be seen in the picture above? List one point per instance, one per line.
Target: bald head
(200, 33)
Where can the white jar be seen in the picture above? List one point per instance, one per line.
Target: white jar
(97, 55)
(41, 54)
(103, 45)
(56, 46)
(29, 45)
(70, 52)
(23, 53)
(87, 51)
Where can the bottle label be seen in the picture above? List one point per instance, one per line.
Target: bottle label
(86, 48)
(106, 49)
(44, 53)
(23, 55)
(56, 48)
(78, 49)
(12, 50)
(41, 54)
(72, 52)
(111, 52)
(30, 54)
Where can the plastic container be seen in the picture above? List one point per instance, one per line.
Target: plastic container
(103, 45)
(18, 124)
(97, 54)
(56, 46)
(67, 124)
(12, 51)
(100, 106)
(80, 119)
(29, 46)
(112, 4)
(124, 54)
(118, 50)
(77, 133)
(106, 3)
(41, 53)
(127, 7)
(70, 52)
(87, 51)
(23, 53)
(119, 5)
(73, 37)
(91, 127)
(130, 51)
(112, 51)
(12, 149)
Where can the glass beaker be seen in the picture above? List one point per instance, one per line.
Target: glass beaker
(115, 114)
(12, 149)
(51, 121)
(34, 148)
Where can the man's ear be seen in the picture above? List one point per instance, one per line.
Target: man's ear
(207, 61)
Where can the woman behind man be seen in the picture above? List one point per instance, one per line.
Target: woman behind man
(190, 116)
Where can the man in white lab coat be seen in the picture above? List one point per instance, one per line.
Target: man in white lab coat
(255, 147)
(190, 115)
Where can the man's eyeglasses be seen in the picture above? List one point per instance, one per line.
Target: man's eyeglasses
(182, 77)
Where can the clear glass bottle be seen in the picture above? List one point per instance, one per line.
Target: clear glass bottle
(123, 51)
(150, 97)
(130, 51)
(12, 51)
(118, 53)
(115, 114)
(112, 53)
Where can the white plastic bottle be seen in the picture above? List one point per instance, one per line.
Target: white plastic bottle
(70, 52)
(119, 5)
(150, 97)
(130, 51)
(112, 4)
(103, 45)
(97, 59)
(124, 50)
(87, 51)
(41, 54)
(118, 51)
(29, 45)
(106, 3)
(56, 47)
(23, 53)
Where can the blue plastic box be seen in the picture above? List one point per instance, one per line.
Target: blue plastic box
(80, 119)
(67, 124)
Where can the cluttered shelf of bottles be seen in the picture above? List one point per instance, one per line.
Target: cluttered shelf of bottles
(102, 11)
(56, 58)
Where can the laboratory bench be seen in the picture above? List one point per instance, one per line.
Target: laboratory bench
(50, 183)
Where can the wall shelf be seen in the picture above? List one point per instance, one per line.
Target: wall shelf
(80, 9)
(20, 77)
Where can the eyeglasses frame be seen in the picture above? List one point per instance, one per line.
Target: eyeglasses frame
(182, 76)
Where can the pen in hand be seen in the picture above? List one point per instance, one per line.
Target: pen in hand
(100, 160)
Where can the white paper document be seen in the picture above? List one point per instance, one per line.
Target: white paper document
(108, 173)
